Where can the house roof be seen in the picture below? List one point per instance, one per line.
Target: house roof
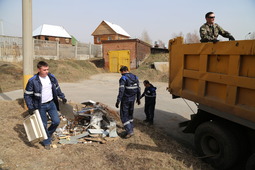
(116, 28)
(51, 30)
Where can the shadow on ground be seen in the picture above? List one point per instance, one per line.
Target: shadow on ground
(169, 124)
(166, 128)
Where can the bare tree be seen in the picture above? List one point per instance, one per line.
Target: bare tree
(192, 37)
(159, 44)
(180, 34)
(145, 37)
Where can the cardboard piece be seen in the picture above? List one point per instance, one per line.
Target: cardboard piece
(66, 110)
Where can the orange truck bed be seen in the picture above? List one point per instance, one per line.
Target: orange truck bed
(219, 75)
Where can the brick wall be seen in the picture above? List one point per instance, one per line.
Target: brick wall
(143, 51)
(138, 50)
(61, 40)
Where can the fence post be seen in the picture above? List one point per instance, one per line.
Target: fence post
(101, 50)
(76, 47)
(90, 50)
(57, 50)
(4, 49)
(33, 47)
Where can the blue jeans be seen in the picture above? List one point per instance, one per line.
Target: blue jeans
(53, 113)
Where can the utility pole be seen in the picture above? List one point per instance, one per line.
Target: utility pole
(27, 40)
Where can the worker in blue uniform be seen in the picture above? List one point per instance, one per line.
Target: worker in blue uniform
(42, 93)
(129, 92)
(150, 101)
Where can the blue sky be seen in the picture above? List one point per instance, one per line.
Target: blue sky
(161, 19)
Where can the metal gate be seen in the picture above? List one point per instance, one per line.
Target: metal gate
(118, 59)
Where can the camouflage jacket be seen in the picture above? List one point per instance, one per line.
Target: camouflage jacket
(208, 33)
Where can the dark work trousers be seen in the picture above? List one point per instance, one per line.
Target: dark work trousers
(149, 108)
(126, 115)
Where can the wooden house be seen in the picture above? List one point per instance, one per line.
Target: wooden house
(52, 33)
(109, 31)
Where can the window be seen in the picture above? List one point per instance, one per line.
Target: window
(98, 39)
(109, 38)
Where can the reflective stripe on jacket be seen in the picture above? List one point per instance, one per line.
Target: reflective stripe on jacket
(129, 88)
(33, 91)
(149, 93)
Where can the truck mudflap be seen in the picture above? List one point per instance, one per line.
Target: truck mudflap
(196, 120)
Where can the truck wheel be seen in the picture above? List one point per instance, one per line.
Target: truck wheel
(216, 144)
(250, 165)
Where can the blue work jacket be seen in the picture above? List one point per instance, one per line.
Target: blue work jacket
(33, 91)
(149, 93)
(129, 88)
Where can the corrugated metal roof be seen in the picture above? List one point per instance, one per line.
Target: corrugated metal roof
(117, 28)
(51, 30)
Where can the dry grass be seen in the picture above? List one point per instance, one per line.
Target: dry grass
(146, 72)
(11, 76)
(150, 148)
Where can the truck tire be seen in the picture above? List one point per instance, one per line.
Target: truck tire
(216, 144)
(250, 165)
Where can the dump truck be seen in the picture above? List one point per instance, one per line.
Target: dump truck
(220, 79)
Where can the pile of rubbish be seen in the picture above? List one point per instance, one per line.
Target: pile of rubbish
(94, 122)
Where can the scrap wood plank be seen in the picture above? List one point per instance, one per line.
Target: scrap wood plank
(111, 139)
(63, 137)
(96, 140)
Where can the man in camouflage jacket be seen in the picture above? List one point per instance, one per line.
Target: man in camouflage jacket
(210, 30)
